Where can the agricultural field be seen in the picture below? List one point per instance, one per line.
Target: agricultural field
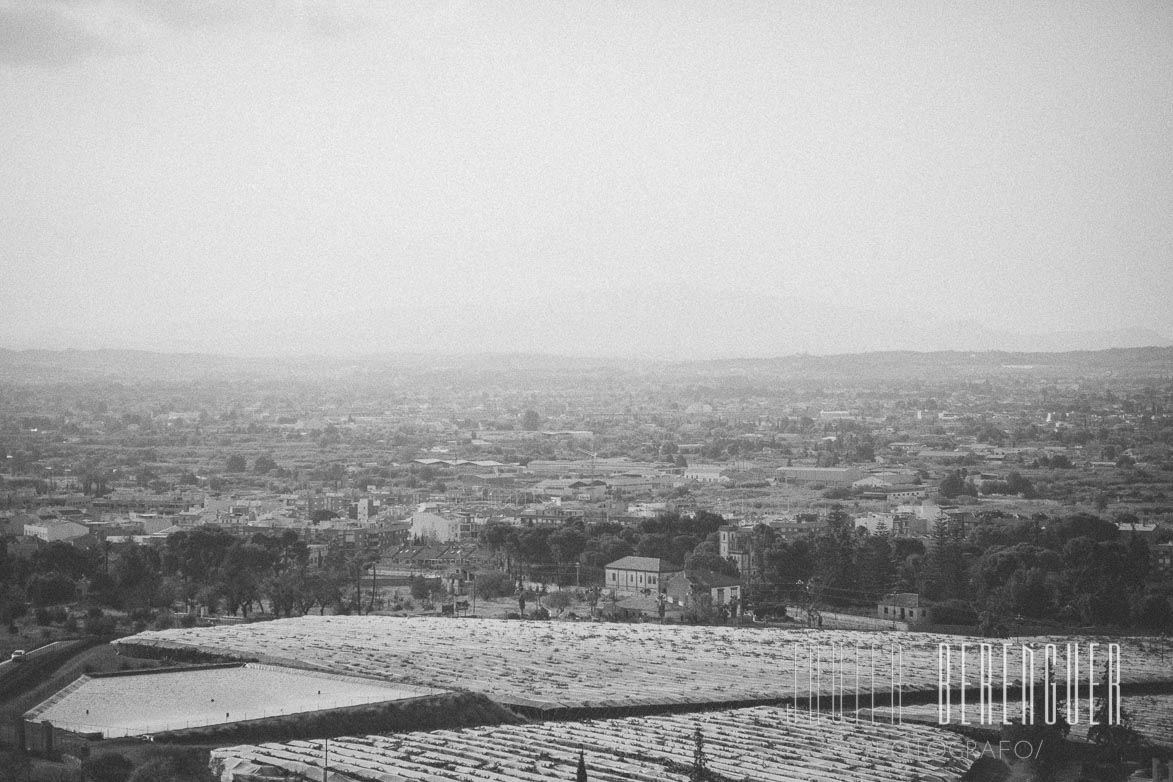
(143, 703)
(1150, 715)
(762, 743)
(553, 665)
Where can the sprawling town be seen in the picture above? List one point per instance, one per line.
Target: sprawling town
(851, 500)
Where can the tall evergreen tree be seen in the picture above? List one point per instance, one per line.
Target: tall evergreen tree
(945, 575)
(699, 771)
(835, 556)
(874, 565)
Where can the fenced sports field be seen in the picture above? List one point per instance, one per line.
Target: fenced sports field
(143, 703)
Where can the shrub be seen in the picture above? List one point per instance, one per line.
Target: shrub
(953, 612)
(419, 587)
(100, 624)
(540, 613)
(174, 765)
(559, 601)
(493, 583)
(108, 767)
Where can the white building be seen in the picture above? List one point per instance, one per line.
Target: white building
(705, 473)
(52, 530)
(444, 528)
(635, 574)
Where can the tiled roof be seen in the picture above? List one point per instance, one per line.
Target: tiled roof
(647, 564)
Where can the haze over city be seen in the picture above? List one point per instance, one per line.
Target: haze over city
(748, 179)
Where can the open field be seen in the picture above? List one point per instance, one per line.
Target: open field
(761, 743)
(560, 665)
(151, 702)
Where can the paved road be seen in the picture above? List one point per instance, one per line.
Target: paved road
(8, 664)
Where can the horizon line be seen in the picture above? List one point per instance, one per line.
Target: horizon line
(369, 356)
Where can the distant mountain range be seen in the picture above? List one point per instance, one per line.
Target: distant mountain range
(139, 367)
(673, 324)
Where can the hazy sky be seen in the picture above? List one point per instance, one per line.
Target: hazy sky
(191, 173)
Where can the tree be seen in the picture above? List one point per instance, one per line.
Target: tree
(174, 765)
(532, 545)
(530, 421)
(95, 484)
(1099, 576)
(954, 485)
(137, 573)
(244, 567)
(700, 771)
(566, 544)
(1116, 739)
(236, 463)
(1152, 612)
(786, 563)
(1028, 593)
(50, 588)
(419, 588)
(264, 464)
(944, 574)
(834, 556)
(493, 583)
(67, 559)
(287, 591)
(874, 564)
(196, 556)
(1017, 484)
(655, 544)
(707, 556)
